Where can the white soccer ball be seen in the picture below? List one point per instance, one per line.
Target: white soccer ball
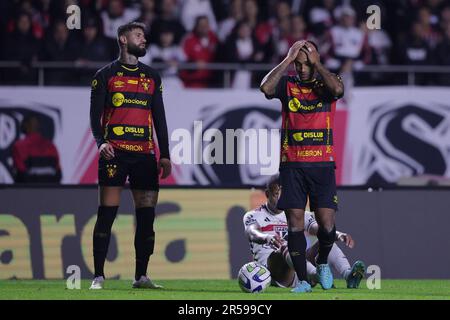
(254, 278)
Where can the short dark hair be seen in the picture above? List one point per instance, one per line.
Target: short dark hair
(274, 180)
(130, 27)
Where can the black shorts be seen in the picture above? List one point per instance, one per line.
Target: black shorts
(141, 170)
(319, 183)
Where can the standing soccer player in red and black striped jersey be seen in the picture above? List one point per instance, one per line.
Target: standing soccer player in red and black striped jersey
(307, 157)
(126, 105)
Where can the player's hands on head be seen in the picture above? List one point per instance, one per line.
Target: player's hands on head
(347, 239)
(106, 151)
(294, 50)
(275, 241)
(165, 166)
(311, 53)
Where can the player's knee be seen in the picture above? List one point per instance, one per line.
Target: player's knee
(297, 225)
(326, 216)
(145, 198)
(327, 223)
(110, 196)
(329, 227)
(296, 220)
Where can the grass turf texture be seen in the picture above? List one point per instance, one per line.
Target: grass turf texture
(218, 290)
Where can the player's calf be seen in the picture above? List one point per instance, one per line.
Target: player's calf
(326, 241)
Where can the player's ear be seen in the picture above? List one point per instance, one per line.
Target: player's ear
(123, 39)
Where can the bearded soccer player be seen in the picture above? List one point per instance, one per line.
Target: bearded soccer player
(307, 157)
(126, 105)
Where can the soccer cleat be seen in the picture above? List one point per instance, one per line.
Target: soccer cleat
(301, 287)
(97, 283)
(356, 275)
(145, 283)
(325, 276)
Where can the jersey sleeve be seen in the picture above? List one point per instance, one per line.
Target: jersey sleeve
(309, 221)
(98, 99)
(249, 219)
(159, 119)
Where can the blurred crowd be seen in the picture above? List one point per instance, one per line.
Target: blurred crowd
(414, 32)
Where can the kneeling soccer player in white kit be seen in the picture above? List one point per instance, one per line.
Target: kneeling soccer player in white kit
(266, 228)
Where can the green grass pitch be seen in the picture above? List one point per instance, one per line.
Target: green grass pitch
(218, 290)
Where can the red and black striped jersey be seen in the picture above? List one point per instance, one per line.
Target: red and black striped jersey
(126, 104)
(307, 122)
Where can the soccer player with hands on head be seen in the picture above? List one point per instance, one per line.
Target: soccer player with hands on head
(307, 160)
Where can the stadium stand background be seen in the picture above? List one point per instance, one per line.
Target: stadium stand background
(414, 33)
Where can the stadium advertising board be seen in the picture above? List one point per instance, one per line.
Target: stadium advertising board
(41, 237)
(231, 137)
(403, 132)
(200, 232)
(217, 137)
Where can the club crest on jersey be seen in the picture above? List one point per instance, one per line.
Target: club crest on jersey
(281, 230)
(145, 84)
(120, 74)
(111, 170)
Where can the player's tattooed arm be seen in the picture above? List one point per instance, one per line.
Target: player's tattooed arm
(269, 83)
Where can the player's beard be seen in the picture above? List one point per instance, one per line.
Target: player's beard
(136, 50)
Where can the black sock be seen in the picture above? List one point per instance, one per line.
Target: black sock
(326, 241)
(102, 234)
(297, 250)
(144, 240)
